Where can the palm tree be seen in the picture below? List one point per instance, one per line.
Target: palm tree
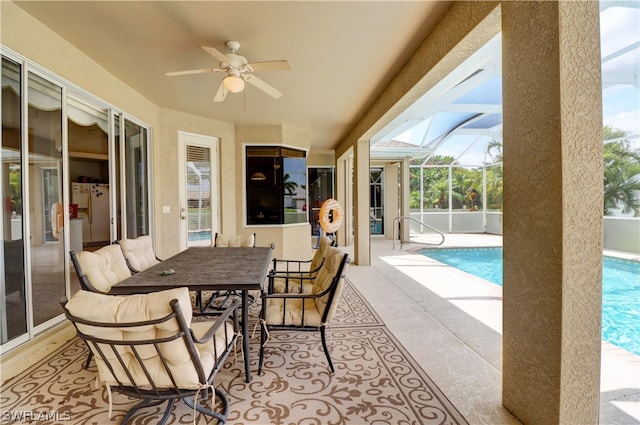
(621, 174)
(289, 185)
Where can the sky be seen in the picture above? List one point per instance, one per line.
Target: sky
(619, 29)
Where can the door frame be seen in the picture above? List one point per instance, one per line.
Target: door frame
(213, 143)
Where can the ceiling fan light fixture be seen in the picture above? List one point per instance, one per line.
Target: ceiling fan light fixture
(233, 84)
(258, 176)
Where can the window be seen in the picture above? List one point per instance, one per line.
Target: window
(276, 185)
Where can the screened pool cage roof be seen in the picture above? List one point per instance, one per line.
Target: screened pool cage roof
(461, 116)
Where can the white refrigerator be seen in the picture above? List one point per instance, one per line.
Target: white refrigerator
(93, 208)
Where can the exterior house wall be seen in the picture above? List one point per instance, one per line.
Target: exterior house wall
(166, 148)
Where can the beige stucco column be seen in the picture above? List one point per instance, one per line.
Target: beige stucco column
(362, 245)
(552, 211)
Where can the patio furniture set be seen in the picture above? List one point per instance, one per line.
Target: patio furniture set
(137, 316)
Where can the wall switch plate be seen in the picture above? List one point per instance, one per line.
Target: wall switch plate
(166, 209)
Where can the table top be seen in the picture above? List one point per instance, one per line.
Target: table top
(203, 268)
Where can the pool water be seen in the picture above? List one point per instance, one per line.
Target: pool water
(202, 235)
(620, 289)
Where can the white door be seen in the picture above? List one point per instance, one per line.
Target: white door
(199, 202)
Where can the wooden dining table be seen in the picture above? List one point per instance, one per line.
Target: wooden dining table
(207, 269)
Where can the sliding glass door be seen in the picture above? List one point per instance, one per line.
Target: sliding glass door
(136, 177)
(46, 222)
(64, 152)
(13, 300)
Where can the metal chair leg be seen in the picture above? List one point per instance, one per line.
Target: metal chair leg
(326, 349)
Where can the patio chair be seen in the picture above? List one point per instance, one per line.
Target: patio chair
(138, 253)
(302, 268)
(146, 347)
(305, 312)
(99, 270)
(219, 300)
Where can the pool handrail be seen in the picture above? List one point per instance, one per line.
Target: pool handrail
(397, 220)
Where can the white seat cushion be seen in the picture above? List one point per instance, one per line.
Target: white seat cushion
(104, 267)
(289, 311)
(139, 252)
(134, 308)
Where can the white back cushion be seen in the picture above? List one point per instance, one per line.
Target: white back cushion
(324, 278)
(223, 240)
(104, 267)
(139, 252)
(133, 308)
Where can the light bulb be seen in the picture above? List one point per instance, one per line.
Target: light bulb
(233, 84)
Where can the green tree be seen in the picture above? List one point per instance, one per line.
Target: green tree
(621, 173)
(289, 185)
(494, 193)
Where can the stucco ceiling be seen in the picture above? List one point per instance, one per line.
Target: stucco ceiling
(342, 53)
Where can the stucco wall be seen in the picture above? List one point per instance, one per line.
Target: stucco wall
(553, 252)
(30, 38)
(167, 229)
(622, 234)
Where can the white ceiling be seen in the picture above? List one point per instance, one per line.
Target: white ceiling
(342, 53)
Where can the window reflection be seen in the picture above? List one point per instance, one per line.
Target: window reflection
(13, 312)
(276, 185)
(45, 198)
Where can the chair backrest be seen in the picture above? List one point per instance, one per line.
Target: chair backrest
(318, 258)
(226, 240)
(99, 270)
(139, 253)
(143, 341)
(329, 281)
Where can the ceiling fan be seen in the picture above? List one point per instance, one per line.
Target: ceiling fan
(238, 71)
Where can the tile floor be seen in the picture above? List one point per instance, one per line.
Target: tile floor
(438, 312)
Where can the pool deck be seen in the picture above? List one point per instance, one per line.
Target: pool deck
(451, 323)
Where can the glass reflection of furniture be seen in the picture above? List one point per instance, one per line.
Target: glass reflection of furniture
(276, 185)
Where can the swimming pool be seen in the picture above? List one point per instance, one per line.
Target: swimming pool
(620, 288)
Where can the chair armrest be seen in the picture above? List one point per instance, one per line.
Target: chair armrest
(289, 263)
(290, 296)
(232, 310)
(300, 278)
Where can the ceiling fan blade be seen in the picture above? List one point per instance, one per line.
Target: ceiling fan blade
(221, 93)
(279, 65)
(265, 87)
(216, 54)
(193, 71)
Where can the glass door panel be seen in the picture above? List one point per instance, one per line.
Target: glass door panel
(45, 198)
(13, 307)
(376, 210)
(320, 189)
(198, 177)
(137, 180)
(199, 196)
